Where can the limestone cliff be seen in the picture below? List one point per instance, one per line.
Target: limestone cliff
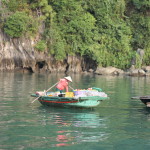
(20, 55)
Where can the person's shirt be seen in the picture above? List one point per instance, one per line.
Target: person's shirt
(63, 84)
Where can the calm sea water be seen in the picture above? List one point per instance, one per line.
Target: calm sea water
(120, 123)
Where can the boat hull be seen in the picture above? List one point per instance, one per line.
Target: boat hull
(86, 102)
(145, 100)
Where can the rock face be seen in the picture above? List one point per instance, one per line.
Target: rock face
(137, 72)
(141, 72)
(109, 71)
(19, 54)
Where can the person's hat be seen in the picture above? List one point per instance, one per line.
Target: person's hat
(68, 78)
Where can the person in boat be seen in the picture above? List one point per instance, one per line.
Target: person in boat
(63, 84)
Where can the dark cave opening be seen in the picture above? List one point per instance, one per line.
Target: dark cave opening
(40, 65)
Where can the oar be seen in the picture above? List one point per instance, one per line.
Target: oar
(45, 92)
(71, 87)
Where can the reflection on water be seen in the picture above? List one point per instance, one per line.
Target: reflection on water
(81, 125)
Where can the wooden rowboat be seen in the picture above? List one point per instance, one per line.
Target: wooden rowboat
(87, 102)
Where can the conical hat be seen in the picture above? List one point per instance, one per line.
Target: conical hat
(68, 78)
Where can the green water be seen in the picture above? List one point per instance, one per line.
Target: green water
(119, 123)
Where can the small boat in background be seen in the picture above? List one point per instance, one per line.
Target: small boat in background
(144, 99)
(77, 98)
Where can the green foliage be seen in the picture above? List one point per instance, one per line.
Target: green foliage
(140, 24)
(41, 46)
(32, 26)
(16, 5)
(141, 4)
(55, 43)
(138, 63)
(41, 5)
(16, 25)
(78, 33)
(76, 26)
(114, 38)
(139, 21)
(147, 56)
(20, 23)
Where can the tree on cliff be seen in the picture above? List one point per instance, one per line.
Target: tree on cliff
(18, 24)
